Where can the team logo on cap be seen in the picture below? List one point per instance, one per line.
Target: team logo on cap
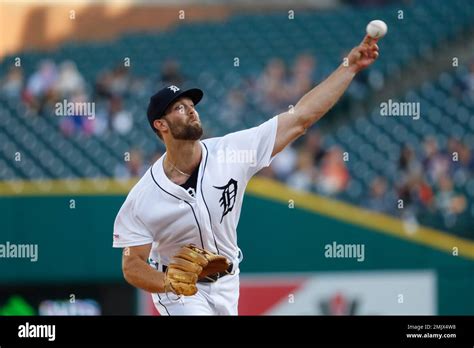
(174, 88)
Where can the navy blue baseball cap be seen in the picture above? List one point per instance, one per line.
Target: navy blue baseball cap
(162, 99)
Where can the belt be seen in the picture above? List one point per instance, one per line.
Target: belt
(212, 278)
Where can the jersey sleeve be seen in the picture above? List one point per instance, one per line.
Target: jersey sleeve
(256, 144)
(129, 230)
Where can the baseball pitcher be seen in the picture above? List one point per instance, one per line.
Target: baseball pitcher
(177, 226)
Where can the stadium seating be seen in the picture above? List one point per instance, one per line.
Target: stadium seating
(206, 53)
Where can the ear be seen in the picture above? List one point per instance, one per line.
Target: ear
(160, 125)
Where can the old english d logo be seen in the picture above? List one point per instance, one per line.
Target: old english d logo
(227, 200)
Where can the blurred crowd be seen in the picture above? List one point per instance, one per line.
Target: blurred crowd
(429, 179)
(429, 182)
(53, 83)
(310, 166)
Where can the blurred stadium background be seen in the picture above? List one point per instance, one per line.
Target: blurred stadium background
(63, 179)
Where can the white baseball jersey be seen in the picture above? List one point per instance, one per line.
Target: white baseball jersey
(161, 212)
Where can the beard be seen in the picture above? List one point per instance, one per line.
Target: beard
(186, 131)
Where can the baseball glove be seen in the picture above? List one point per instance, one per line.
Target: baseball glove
(189, 265)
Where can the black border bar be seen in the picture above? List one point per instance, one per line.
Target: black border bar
(348, 330)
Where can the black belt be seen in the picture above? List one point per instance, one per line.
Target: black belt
(213, 277)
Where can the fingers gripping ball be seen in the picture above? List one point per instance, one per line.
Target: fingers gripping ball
(376, 29)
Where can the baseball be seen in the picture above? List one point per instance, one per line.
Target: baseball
(376, 29)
